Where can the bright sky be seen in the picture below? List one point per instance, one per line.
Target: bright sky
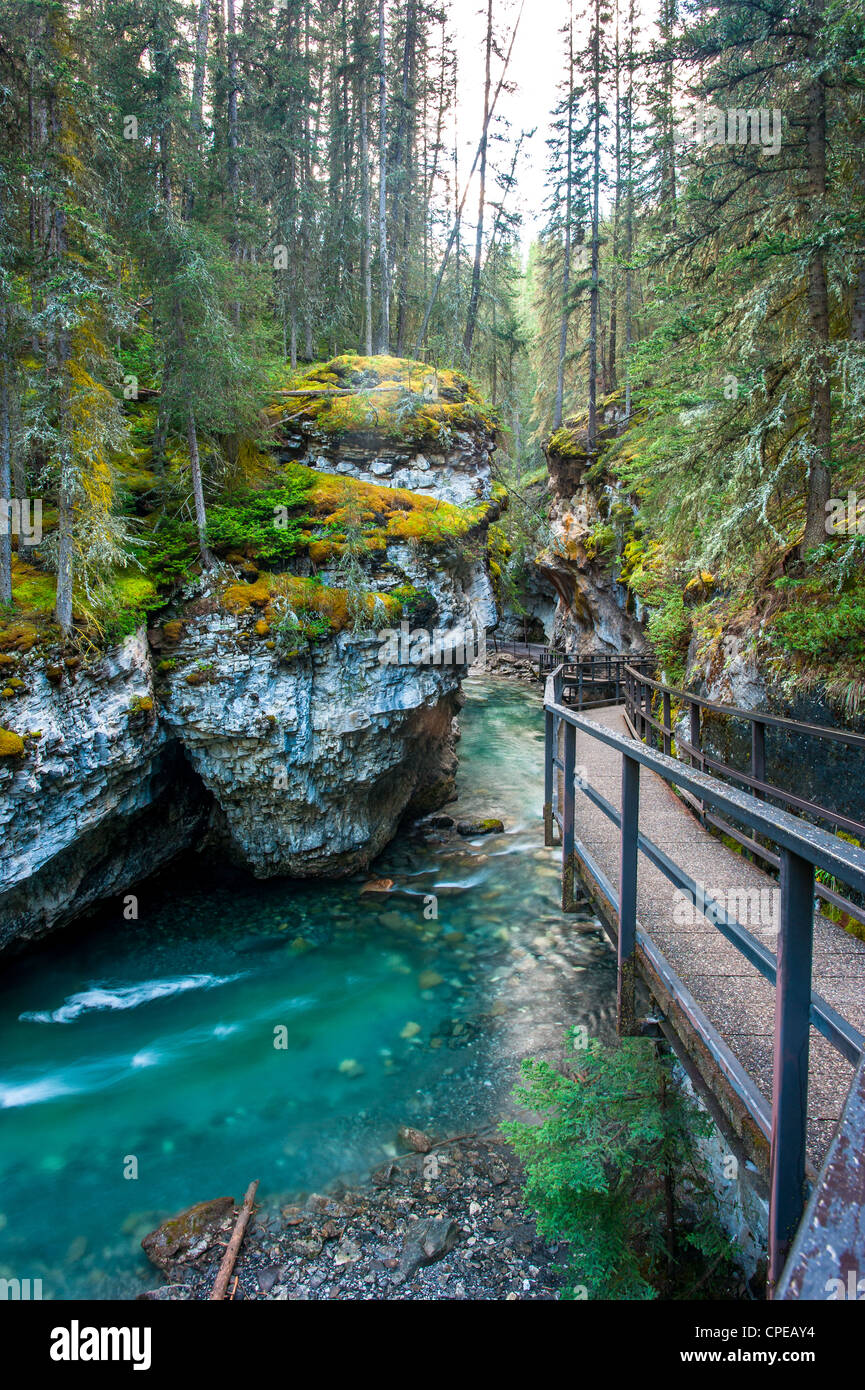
(537, 66)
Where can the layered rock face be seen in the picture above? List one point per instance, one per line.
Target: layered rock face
(394, 422)
(238, 725)
(459, 473)
(101, 797)
(595, 612)
(829, 774)
(310, 762)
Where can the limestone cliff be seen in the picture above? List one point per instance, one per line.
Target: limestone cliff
(254, 716)
(596, 612)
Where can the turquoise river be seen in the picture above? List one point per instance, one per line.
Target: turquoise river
(280, 1030)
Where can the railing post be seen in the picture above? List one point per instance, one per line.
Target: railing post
(569, 903)
(695, 734)
(627, 943)
(647, 709)
(549, 774)
(758, 753)
(580, 686)
(790, 1067)
(668, 742)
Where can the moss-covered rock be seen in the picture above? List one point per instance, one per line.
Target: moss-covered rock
(490, 826)
(383, 397)
(276, 596)
(178, 1238)
(11, 744)
(700, 588)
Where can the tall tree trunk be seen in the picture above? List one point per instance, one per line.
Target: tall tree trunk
(857, 326)
(594, 298)
(233, 133)
(5, 462)
(197, 108)
(384, 325)
(194, 454)
(200, 65)
(667, 160)
(66, 489)
(197, 488)
(5, 433)
(474, 296)
(629, 212)
(59, 355)
(819, 475)
(612, 375)
(407, 176)
(366, 243)
(566, 268)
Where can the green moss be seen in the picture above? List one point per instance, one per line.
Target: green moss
(670, 631)
(384, 396)
(305, 608)
(567, 443)
(600, 543)
(202, 674)
(11, 744)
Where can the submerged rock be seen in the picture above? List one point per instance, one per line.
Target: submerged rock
(414, 1139)
(491, 826)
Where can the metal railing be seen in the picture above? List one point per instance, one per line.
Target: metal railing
(802, 848)
(601, 677)
(512, 646)
(550, 659)
(642, 695)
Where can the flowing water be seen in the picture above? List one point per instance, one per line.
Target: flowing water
(276, 1030)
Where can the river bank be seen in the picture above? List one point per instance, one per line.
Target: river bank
(445, 1224)
(287, 1031)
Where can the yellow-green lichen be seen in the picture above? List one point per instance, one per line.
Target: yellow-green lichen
(383, 396)
(11, 744)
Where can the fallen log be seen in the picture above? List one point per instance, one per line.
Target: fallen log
(220, 1287)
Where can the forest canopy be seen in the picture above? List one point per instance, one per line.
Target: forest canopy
(203, 201)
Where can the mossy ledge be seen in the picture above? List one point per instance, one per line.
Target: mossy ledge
(383, 397)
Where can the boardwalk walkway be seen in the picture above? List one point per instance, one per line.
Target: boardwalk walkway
(735, 997)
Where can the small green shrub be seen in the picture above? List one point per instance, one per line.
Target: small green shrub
(613, 1171)
(670, 631)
